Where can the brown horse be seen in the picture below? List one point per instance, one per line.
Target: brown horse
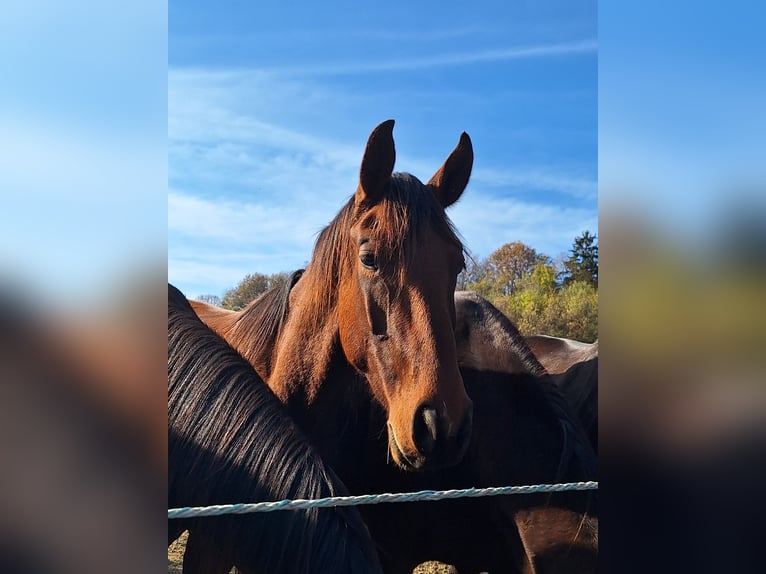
(573, 366)
(329, 362)
(375, 305)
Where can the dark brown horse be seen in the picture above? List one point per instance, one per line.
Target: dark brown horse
(231, 440)
(375, 307)
(488, 341)
(524, 433)
(574, 369)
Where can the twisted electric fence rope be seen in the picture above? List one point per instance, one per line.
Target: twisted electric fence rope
(218, 510)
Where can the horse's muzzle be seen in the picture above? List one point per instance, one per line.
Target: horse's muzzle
(436, 447)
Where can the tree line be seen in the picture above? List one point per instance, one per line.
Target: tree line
(539, 294)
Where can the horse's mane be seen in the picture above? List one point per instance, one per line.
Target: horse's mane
(230, 440)
(578, 385)
(260, 323)
(517, 342)
(408, 208)
(577, 460)
(575, 439)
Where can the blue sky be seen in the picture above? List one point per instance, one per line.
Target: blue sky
(269, 109)
(681, 114)
(83, 146)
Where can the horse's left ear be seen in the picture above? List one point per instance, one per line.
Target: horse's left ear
(377, 164)
(450, 180)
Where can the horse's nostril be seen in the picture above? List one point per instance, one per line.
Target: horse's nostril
(425, 429)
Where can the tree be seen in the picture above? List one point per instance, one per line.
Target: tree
(574, 312)
(214, 300)
(571, 311)
(582, 264)
(512, 262)
(251, 287)
(534, 294)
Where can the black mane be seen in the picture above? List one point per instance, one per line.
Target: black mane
(230, 440)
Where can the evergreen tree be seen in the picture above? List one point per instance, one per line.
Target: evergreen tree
(582, 264)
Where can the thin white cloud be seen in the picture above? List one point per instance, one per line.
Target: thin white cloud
(440, 60)
(215, 243)
(463, 58)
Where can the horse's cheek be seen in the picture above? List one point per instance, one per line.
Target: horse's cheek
(352, 340)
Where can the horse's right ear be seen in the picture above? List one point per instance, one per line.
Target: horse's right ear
(377, 165)
(451, 178)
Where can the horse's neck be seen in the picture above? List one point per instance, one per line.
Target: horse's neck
(309, 374)
(300, 366)
(219, 320)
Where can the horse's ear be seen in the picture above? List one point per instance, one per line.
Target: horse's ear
(377, 164)
(450, 180)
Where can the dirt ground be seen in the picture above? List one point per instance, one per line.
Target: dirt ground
(176, 554)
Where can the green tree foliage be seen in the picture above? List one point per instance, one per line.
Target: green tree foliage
(527, 306)
(582, 264)
(510, 263)
(249, 288)
(570, 311)
(575, 314)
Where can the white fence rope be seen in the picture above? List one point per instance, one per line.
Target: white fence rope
(199, 511)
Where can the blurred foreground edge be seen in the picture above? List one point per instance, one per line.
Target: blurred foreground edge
(682, 400)
(82, 442)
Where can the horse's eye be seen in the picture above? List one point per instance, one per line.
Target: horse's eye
(369, 260)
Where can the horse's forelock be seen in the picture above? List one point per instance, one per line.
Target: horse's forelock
(407, 209)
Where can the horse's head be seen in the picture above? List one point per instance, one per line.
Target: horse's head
(396, 309)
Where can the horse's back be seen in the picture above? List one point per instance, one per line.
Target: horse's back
(557, 354)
